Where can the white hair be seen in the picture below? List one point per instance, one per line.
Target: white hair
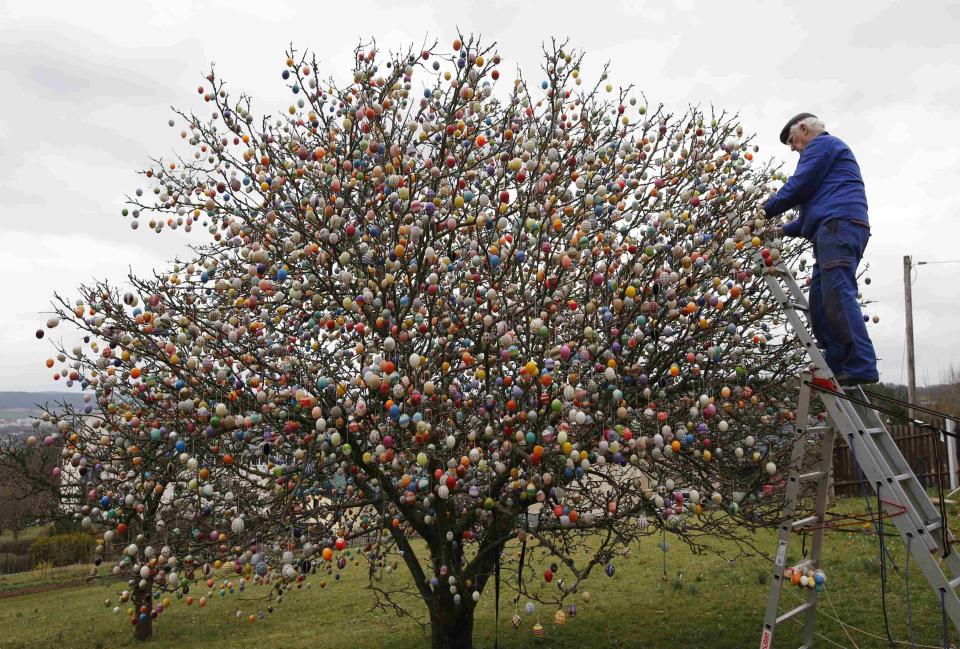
(814, 124)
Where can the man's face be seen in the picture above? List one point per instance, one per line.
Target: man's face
(799, 138)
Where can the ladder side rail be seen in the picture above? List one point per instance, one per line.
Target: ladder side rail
(798, 325)
(869, 416)
(793, 287)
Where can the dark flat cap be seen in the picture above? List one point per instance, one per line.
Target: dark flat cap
(785, 133)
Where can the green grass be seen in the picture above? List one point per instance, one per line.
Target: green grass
(42, 578)
(719, 604)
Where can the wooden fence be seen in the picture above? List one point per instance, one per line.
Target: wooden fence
(921, 447)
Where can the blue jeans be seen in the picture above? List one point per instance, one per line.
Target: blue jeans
(835, 312)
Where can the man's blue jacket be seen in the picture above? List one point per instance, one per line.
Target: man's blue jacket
(826, 185)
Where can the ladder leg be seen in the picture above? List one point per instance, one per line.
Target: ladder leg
(786, 526)
(816, 548)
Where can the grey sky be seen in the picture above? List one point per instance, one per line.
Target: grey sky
(87, 94)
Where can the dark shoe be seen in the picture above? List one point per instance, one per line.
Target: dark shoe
(847, 381)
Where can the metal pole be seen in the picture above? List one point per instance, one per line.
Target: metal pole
(951, 426)
(908, 306)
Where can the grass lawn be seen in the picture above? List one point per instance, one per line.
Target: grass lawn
(719, 604)
(43, 578)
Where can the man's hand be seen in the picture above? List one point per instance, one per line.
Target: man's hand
(774, 232)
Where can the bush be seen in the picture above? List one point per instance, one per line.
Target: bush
(10, 563)
(62, 549)
(65, 526)
(19, 546)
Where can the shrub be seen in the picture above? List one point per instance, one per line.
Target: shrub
(11, 563)
(62, 549)
(18, 546)
(65, 526)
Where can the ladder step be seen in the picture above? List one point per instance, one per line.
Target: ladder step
(902, 476)
(794, 611)
(954, 583)
(875, 431)
(818, 429)
(804, 522)
(797, 306)
(935, 525)
(813, 475)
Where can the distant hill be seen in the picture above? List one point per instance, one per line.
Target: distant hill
(29, 400)
(18, 409)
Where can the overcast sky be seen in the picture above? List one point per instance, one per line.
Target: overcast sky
(87, 95)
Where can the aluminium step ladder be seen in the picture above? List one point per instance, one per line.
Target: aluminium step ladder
(904, 499)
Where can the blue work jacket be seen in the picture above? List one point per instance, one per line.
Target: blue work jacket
(826, 185)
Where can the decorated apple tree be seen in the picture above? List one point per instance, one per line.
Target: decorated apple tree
(446, 317)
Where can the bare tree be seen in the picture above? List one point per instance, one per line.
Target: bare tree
(29, 483)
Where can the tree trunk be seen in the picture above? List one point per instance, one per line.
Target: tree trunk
(451, 627)
(143, 597)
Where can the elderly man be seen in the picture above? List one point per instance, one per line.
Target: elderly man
(828, 190)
